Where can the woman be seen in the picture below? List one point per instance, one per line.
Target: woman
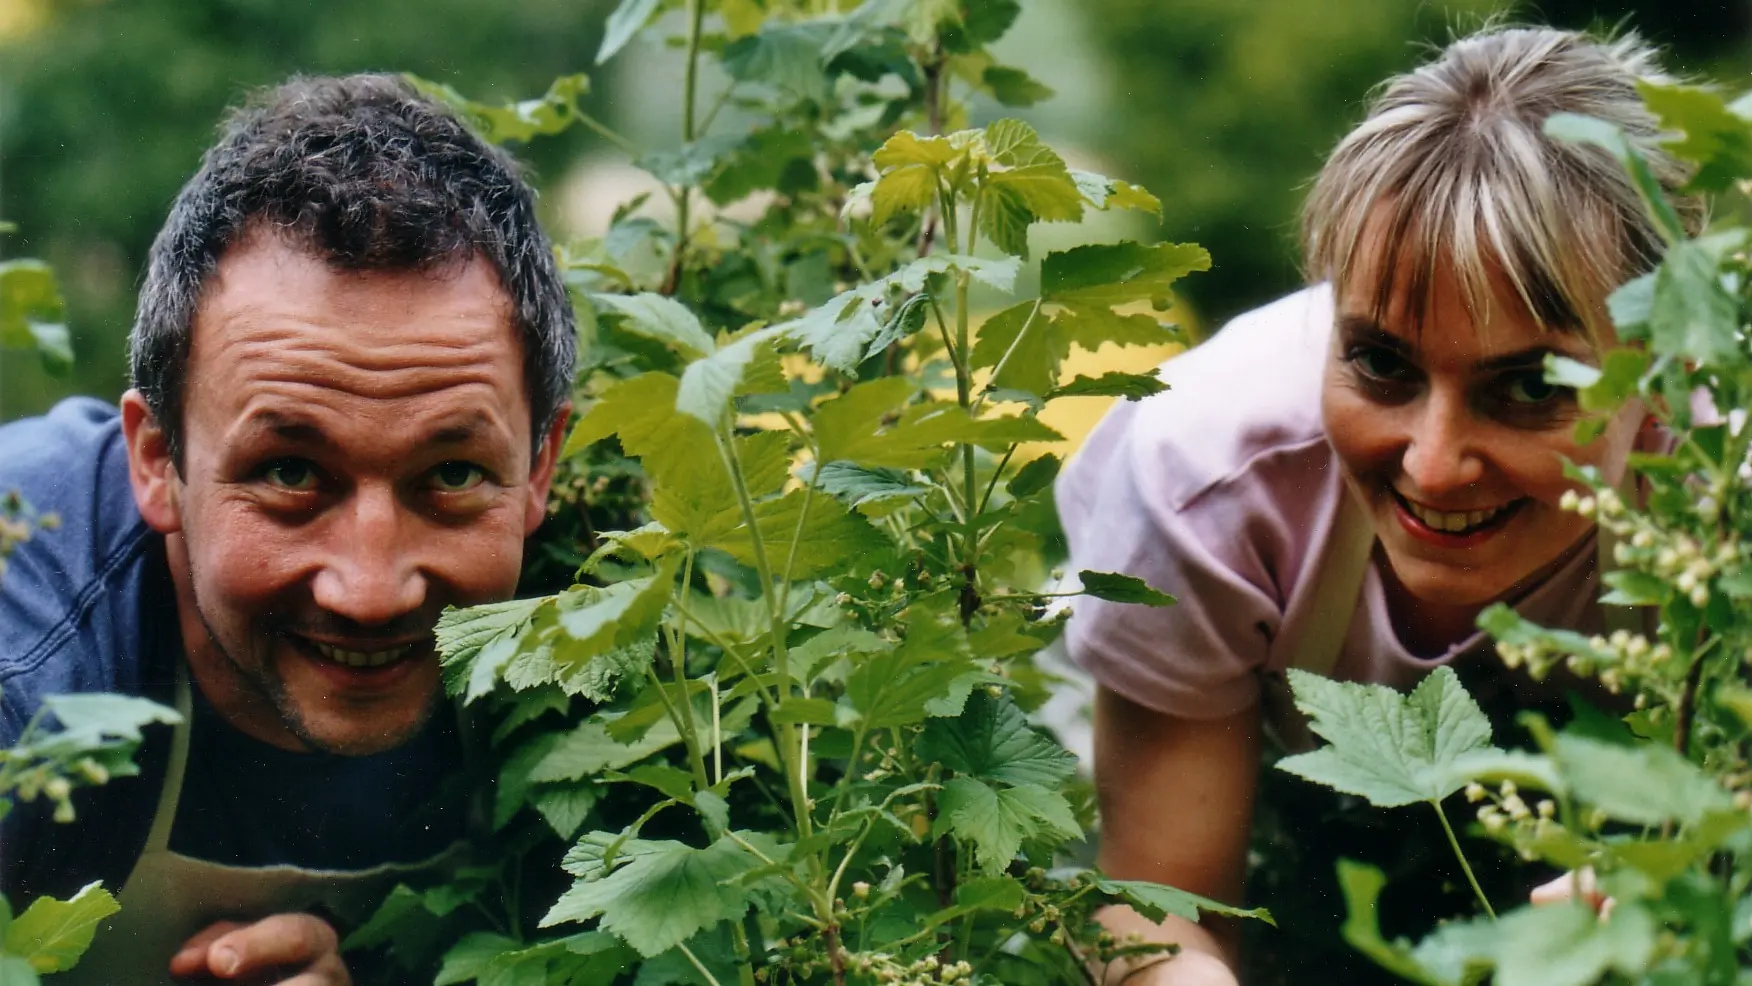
(1345, 478)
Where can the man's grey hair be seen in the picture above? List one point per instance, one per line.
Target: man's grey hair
(1452, 166)
(367, 175)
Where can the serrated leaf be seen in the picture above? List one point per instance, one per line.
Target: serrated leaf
(996, 821)
(1106, 274)
(991, 740)
(564, 808)
(468, 960)
(800, 545)
(897, 687)
(1024, 345)
(627, 20)
(1389, 748)
(1631, 305)
(1157, 900)
(1567, 944)
(707, 385)
(1118, 588)
(664, 319)
(1588, 130)
(551, 113)
(663, 895)
(864, 489)
(462, 635)
(1131, 386)
(1648, 784)
(94, 719)
(1093, 327)
(1716, 139)
(1693, 317)
(595, 622)
(907, 148)
(51, 934)
(787, 57)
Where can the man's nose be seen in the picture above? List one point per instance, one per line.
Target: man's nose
(1441, 456)
(371, 574)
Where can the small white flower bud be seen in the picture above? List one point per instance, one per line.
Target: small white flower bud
(1700, 596)
(1569, 500)
(1475, 792)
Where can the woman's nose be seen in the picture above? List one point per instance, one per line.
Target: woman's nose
(1441, 456)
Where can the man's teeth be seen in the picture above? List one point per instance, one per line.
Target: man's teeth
(1442, 520)
(361, 658)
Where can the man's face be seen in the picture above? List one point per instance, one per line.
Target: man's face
(356, 457)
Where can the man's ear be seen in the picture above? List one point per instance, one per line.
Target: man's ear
(151, 470)
(541, 471)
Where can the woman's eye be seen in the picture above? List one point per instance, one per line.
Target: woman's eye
(1531, 388)
(457, 477)
(294, 475)
(1379, 364)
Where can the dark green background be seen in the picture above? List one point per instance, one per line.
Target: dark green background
(1223, 107)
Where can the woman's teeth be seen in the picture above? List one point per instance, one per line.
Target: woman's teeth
(363, 659)
(1451, 522)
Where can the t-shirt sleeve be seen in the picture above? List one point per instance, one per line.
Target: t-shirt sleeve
(1196, 659)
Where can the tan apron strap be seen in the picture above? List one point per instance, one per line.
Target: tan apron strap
(1338, 584)
(158, 840)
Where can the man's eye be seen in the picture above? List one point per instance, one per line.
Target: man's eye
(457, 477)
(1531, 388)
(295, 475)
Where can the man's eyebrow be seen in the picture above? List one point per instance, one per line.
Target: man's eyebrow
(290, 428)
(459, 432)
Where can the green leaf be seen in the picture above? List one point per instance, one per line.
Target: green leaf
(662, 318)
(787, 57)
(1106, 274)
(871, 491)
(51, 935)
(1036, 475)
(1362, 885)
(1131, 386)
(1014, 87)
(707, 385)
(1026, 347)
(1103, 192)
(1569, 945)
(1716, 139)
(628, 19)
(1648, 784)
(1158, 900)
(596, 623)
(463, 635)
(564, 808)
(553, 113)
(1587, 130)
(662, 895)
(1093, 327)
(802, 546)
(1631, 306)
(93, 719)
(1693, 317)
(1389, 748)
(996, 821)
(896, 687)
(467, 961)
(15, 971)
(992, 741)
(1117, 588)
(31, 313)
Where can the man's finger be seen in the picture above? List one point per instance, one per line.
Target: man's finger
(1566, 886)
(295, 940)
(191, 959)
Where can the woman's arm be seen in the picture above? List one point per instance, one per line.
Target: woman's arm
(1176, 807)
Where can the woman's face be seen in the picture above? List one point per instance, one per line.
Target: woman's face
(1454, 442)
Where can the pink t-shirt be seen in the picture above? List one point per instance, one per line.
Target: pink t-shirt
(1223, 491)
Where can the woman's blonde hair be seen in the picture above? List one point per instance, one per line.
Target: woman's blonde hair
(1453, 166)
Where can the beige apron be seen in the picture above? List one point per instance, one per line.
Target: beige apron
(168, 897)
(1338, 588)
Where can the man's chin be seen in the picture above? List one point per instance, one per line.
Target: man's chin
(324, 732)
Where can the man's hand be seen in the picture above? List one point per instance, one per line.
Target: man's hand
(284, 950)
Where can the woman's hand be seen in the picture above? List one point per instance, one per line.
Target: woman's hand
(286, 949)
(1567, 886)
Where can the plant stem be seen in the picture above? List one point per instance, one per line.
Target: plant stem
(969, 479)
(696, 15)
(711, 980)
(1465, 867)
(606, 133)
(1688, 703)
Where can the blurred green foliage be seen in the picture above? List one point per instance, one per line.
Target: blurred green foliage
(1231, 105)
(1228, 108)
(106, 106)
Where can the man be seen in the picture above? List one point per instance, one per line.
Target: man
(350, 365)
